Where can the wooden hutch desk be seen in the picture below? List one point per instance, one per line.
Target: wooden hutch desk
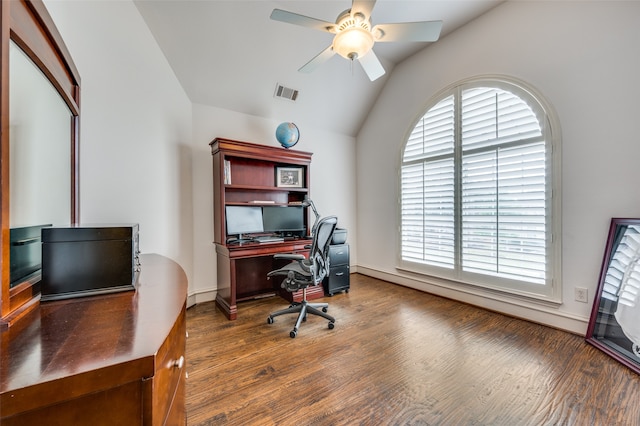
(114, 359)
(245, 174)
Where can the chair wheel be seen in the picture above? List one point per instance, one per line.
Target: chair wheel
(331, 325)
(324, 309)
(293, 334)
(270, 320)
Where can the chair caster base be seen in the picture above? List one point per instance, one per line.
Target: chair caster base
(293, 334)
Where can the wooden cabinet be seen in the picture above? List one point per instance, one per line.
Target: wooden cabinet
(247, 174)
(114, 359)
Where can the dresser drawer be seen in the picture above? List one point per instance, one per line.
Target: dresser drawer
(339, 254)
(170, 369)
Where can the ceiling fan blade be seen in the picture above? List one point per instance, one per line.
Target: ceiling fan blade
(363, 6)
(372, 66)
(410, 31)
(319, 59)
(303, 21)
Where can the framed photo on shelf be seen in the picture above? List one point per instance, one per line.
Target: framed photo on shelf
(289, 177)
(614, 327)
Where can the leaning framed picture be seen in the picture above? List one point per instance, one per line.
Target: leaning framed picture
(289, 177)
(614, 326)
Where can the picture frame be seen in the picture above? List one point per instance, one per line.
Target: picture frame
(614, 325)
(289, 177)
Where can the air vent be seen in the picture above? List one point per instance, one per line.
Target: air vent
(286, 93)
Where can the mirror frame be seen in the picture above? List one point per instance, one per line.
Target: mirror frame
(604, 331)
(29, 25)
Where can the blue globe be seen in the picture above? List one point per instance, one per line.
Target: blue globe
(287, 134)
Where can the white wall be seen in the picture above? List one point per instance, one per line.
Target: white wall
(332, 178)
(145, 153)
(135, 129)
(583, 57)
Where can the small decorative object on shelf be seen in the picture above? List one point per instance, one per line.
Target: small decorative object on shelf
(289, 177)
(287, 134)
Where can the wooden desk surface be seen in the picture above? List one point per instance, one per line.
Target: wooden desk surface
(70, 347)
(251, 249)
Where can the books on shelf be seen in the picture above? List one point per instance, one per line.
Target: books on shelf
(227, 172)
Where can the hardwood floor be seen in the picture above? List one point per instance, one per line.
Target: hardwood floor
(397, 356)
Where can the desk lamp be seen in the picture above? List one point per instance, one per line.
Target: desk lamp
(308, 202)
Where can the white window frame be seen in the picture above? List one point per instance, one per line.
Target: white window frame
(550, 291)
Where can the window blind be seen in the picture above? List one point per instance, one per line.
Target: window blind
(433, 134)
(476, 199)
(428, 213)
(427, 224)
(503, 212)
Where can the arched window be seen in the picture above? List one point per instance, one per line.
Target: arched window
(477, 186)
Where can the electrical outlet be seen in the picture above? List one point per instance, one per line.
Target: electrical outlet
(581, 294)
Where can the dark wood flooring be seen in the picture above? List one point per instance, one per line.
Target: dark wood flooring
(397, 356)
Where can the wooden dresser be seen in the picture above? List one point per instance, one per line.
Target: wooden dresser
(115, 359)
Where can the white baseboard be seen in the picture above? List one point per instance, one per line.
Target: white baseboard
(201, 296)
(540, 314)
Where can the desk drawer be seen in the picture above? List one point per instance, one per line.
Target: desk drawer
(339, 254)
(338, 280)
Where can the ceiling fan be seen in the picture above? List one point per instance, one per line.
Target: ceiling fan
(355, 35)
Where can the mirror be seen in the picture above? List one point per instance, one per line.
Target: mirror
(39, 170)
(39, 136)
(40, 179)
(614, 326)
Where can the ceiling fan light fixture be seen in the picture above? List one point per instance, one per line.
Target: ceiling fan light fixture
(353, 43)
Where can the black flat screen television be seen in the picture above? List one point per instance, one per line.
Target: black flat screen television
(244, 220)
(283, 219)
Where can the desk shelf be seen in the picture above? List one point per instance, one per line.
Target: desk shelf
(263, 188)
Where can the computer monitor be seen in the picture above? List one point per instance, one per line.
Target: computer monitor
(283, 219)
(243, 220)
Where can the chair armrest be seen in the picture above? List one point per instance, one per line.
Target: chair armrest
(290, 256)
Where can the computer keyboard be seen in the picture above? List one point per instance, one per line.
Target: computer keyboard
(268, 239)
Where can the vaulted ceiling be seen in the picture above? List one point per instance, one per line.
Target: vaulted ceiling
(230, 54)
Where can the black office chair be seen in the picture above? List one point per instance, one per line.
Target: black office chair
(304, 272)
